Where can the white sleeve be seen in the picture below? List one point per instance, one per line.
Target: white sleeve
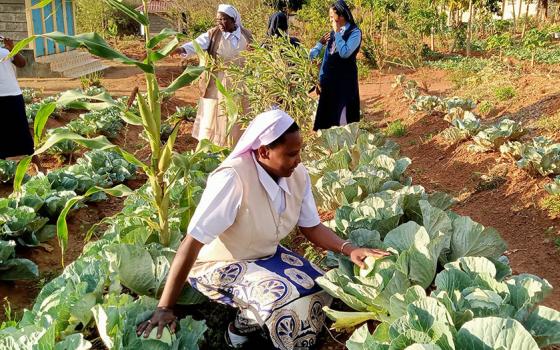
(308, 216)
(203, 41)
(218, 206)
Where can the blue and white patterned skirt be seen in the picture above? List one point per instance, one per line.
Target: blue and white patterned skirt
(278, 292)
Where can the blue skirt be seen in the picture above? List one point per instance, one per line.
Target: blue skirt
(278, 292)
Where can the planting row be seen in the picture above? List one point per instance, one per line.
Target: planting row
(539, 156)
(474, 299)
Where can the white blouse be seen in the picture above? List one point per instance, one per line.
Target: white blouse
(8, 82)
(203, 41)
(222, 196)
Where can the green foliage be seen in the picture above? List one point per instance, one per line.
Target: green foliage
(284, 84)
(485, 108)
(553, 187)
(499, 42)
(549, 123)
(12, 268)
(29, 95)
(396, 129)
(7, 170)
(504, 93)
(494, 136)
(535, 38)
(464, 124)
(551, 203)
(96, 16)
(540, 156)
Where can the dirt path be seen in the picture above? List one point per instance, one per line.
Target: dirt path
(512, 208)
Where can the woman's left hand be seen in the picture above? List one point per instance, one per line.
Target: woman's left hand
(358, 255)
(8, 44)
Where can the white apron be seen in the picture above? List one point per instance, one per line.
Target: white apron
(211, 120)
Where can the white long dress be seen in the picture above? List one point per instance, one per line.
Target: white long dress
(212, 120)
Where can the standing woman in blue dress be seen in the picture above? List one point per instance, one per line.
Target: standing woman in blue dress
(339, 101)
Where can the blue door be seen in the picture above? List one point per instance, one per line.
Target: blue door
(56, 16)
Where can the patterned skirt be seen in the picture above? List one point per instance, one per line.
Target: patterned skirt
(277, 293)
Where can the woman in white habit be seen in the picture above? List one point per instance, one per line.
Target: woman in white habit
(225, 42)
(232, 252)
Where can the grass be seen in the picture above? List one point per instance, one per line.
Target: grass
(504, 93)
(364, 70)
(9, 316)
(485, 108)
(551, 204)
(429, 136)
(368, 125)
(92, 79)
(548, 123)
(395, 129)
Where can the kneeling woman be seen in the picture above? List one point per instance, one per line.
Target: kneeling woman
(232, 252)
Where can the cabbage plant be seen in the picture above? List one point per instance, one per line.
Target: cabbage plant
(494, 136)
(476, 304)
(541, 156)
(12, 268)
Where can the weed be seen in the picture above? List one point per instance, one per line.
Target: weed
(552, 204)
(368, 125)
(8, 315)
(92, 79)
(549, 123)
(396, 129)
(485, 108)
(504, 93)
(429, 136)
(489, 182)
(364, 70)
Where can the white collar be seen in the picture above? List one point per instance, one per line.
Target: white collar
(271, 187)
(236, 33)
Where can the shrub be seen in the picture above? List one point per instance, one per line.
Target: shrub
(396, 129)
(551, 204)
(485, 108)
(504, 93)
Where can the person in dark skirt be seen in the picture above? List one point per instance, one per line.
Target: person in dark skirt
(278, 26)
(339, 101)
(15, 137)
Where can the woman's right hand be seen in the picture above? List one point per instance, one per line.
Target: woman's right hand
(160, 318)
(325, 38)
(178, 51)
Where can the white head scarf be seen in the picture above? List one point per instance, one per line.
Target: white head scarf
(232, 12)
(262, 131)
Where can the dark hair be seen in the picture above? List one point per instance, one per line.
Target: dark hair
(337, 11)
(293, 128)
(342, 9)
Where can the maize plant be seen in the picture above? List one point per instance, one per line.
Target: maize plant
(149, 115)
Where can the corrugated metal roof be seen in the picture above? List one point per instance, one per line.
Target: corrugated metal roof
(156, 6)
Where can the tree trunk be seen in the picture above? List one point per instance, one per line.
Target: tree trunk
(513, 13)
(432, 39)
(504, 8)
(544, 8)
(469, 28)
(526, 22)
(387, 34)
(520, 8)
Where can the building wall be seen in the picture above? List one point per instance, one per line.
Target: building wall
(158, 23)
(13, 23)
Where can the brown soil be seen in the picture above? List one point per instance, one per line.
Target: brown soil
(511, 207)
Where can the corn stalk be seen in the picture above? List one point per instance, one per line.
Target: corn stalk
(157, 48)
